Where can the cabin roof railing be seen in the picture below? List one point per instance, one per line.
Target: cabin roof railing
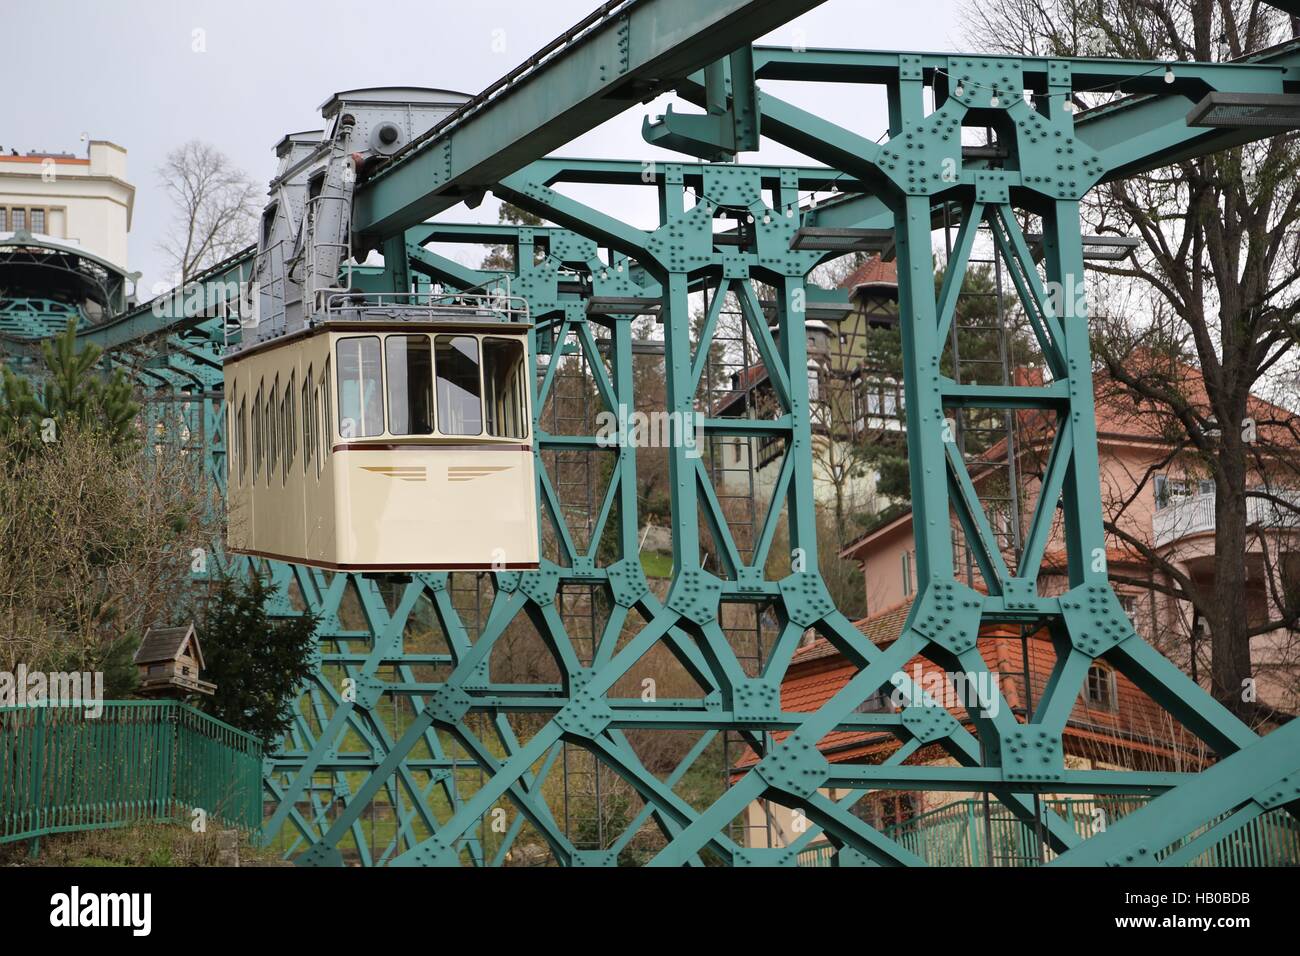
(453, 306)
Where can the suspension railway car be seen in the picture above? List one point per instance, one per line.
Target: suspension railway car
(384, 438)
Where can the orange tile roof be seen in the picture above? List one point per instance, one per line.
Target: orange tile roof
(818, 672)
(872, 272)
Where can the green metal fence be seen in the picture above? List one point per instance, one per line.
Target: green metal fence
(967, 833)
(61, 770)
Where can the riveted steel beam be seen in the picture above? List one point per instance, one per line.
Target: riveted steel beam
(632, 52)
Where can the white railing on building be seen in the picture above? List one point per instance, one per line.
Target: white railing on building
(1194, 514)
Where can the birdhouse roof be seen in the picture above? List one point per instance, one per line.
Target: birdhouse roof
(168, 644)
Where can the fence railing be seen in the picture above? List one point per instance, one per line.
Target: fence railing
(962, 833)
(1194, 514)
(61, 770)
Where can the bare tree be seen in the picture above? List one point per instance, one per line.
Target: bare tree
(96, 544)
(215, 206)
(1220, 260)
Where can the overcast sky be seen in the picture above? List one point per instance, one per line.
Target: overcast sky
(128, 71)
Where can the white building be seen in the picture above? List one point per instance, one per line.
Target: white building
(83, 204)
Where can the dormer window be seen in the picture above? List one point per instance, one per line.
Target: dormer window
(1100, 690)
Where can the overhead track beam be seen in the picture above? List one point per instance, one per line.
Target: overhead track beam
(629, 52)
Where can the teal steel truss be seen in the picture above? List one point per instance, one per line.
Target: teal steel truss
(408, 749)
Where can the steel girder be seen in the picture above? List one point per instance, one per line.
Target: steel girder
(624, 53)
(580, 710)
(1047, 171)
(922, 164)
(343, 752)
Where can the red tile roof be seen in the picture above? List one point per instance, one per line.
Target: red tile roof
(872, 272)
(1138, 725)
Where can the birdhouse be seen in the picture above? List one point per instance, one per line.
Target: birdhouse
(169, 661)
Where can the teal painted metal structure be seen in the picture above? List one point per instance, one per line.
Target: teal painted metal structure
(449, 761)
(962, 834)
(63, 771)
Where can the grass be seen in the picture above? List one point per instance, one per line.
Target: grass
(142, 844)
(657, 564)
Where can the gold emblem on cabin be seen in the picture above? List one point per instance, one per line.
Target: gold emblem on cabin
(408, 473)
(470, 472)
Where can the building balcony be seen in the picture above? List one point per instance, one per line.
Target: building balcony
(1187, 515)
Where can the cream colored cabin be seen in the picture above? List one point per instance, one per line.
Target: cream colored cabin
(384, 447)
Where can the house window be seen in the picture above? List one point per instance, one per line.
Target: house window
(873, 398)
(38, 220)
(1129, 603)
(880, 702)
(907, 573)
(1168, 490)
(18, 219)
(890, 404)
(4, 219)
(883, 809)
(1100, 690)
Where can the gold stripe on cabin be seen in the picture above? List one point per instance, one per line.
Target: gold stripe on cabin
(469, 473)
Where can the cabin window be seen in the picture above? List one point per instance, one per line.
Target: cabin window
(241, 439)
(410, 384)
(287, 427)
(232, 450)
(257, 433)
(272, 433)
(361, 387)
(328, 417)
(506, 385)
(322, 388)
(307, 416)
(459, 403)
